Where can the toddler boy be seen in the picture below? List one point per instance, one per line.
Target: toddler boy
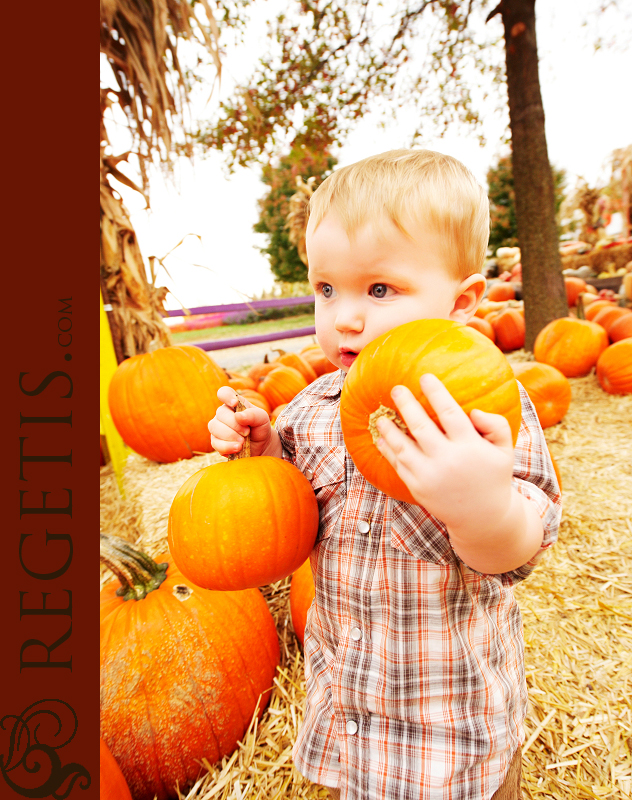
(413, 648)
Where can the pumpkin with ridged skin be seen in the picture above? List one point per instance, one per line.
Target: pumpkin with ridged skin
(183, 670)
(281, 385)
(483, 326)
(621, 328)
(112, 783)
(570, 345)
(614, 368)
(548, 389)
(256, 398)
(297, 361)
(472, 368)
(161, 402)
(301, 596)
(242, 523)
(607, 317)
(595, 307)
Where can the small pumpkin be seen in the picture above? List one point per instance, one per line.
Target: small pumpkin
(574, 287)
(112, 783)
(243, 523)
(242, 382)
(621, 328)
(501, 291)
(275, 413)
(509, 329)
(161, 401)
(281, 385)
(570, 345)
(302, 594)
(261, 369)
(614, 368)
(471, 367)
(483, 326)
(315, 356)
(608, 316)
(548, 389)
(299, 363)
(179, 682)
(595, 307)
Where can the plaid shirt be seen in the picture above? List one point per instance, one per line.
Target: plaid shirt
(414, 662)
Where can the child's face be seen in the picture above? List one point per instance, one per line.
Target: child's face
(377, 280)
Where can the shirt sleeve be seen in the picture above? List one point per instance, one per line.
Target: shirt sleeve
(534, 477)
(285, 430)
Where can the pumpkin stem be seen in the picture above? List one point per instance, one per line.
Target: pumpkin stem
(581, 314)
(384, 411)
(138, 573)
(245, 450)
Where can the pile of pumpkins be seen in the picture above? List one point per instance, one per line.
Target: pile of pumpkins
(189, 648)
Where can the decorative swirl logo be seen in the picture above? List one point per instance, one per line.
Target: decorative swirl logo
(35, 736)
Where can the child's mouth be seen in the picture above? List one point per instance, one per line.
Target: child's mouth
(347, 357)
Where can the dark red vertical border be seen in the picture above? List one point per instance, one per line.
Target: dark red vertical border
(49, 699)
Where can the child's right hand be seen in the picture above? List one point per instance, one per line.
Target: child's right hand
(228, 428)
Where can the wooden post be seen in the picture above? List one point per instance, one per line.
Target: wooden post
(117, 449)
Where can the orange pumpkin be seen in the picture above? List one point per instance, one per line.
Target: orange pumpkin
(574, 287)
(315, 356)
(242, 382)
(297, 361)
(179, 682)
(557, 471)
(472, 368)
(256, 398)
(509, 329)
(621, 328)
(501, 291)
(261, 369)
(614, 368)
(275, 412)
(301, 595)
(595, 307)
(112, 783)
(161, 402)
(242, 523)
(483, 326)
(571, 345)
(548, 389)
(608, 316)
(281, 385)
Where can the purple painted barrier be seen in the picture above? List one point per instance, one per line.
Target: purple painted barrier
(224, 344)
(279, 302)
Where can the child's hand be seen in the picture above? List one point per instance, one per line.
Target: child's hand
(228, 428)
(463, 477)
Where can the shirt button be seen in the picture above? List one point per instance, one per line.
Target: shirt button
(356, 634)
(352, 727)
(363, 526)
(308, 474)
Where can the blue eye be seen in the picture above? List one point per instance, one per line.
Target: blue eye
(379, 290)
(326, 290)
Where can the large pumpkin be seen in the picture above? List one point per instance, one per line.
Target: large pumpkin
(243, 522)
(472, 368)
(570, 345)
(549, 390)
(614, 368)
(301, 595)
(183, 670)
(112, 783)
(161, 401)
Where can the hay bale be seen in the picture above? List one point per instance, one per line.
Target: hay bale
(598, 260)
(577, 610)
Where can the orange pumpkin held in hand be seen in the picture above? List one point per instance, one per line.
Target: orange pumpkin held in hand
(161, 402)
(472, 368)
(183, 670)
(243, 523)
(548, 389)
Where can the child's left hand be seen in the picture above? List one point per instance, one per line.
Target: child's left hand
(463, 476)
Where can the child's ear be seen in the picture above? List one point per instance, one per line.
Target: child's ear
(468, 296)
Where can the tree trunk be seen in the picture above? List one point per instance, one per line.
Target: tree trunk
(542, 280)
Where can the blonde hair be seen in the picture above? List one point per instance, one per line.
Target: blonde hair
(411, 187)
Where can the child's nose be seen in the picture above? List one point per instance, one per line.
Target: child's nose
(349, 318)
